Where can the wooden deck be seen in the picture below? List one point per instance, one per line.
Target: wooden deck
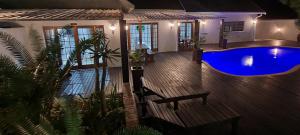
(82, 82)
(269, 105)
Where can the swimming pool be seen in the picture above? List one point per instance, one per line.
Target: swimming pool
(254, 61)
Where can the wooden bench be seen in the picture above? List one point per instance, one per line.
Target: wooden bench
(172, 94)
(195, 115)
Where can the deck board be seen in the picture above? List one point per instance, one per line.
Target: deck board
(268, 104)
(82, 82)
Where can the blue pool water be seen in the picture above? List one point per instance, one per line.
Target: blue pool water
(254, 61)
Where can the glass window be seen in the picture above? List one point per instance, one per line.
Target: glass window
(234, 26)
(144, 33)
(68, 43)
(83, 34)
(154, 38)
(185, 31)
(134, 37)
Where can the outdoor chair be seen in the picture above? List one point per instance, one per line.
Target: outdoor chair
(194, 116)
(172, 94)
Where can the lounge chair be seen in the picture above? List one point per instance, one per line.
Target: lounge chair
(172, 94)
(194, 115)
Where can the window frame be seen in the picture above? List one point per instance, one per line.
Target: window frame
(179, 31)
(76, 39)
(141, 35)
(232, 25)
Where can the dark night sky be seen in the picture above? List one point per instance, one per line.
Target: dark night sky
(276, 9)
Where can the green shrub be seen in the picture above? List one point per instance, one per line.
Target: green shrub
(141, 130)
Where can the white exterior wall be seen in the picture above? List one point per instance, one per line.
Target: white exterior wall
(22, 34)
(249, 27)
(167, 36)
(277, 29)
(211, 28)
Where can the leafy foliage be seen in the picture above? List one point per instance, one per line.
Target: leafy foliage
(137, 57)
(138, 131)
(16, 48)
(99, 46)
(28, 103)
(72, 120)
(27, 91)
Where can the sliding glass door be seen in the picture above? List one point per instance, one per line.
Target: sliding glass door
(70, 39)
(143, 36)
(185, 31)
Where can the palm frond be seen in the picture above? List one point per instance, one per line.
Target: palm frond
(29, 128)
(36, 40)
(16, 48)
(72, 119)
(141, 130)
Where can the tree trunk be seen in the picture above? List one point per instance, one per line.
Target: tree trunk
(102, 90)
(97, 81)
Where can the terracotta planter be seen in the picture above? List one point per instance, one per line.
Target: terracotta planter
(137, 72)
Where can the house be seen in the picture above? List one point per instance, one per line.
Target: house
(160, 25)
(279, 23)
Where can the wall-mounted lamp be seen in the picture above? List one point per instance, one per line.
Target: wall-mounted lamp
(171, 25)
(203, 22)
(254, 21)
(179, 24)
(278, 30)
(113, 28)
(126, 27)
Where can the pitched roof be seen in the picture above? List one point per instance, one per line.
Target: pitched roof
(220, 6)
(60, 4)
(166, 15)
(157, 4)
(276, 10)
(58, 14)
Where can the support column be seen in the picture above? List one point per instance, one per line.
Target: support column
(197, 30)
(196, 38)
(221, 35)
(124, 51)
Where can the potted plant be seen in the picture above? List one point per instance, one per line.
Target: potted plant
(225, 40)
(198, 51)
(137, 58)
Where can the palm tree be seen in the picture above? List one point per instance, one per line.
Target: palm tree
(99, 46)
(27, 89)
